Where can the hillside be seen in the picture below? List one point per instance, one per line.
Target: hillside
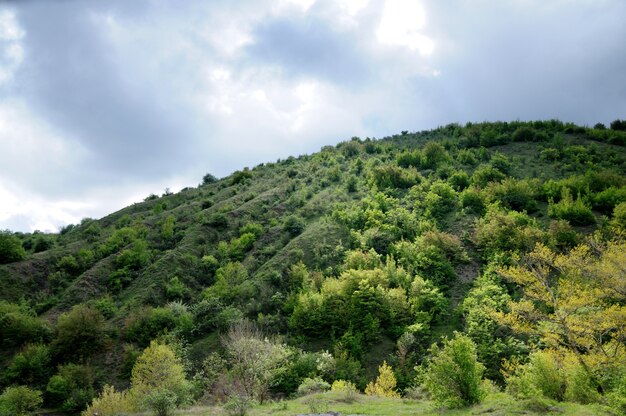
(366, 251)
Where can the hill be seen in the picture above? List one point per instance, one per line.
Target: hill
(366, 251)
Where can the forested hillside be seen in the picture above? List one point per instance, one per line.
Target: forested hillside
(497, 248)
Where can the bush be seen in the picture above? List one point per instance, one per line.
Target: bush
(312, 385)
(238, 405)
(346, 389)
(542, 376)
(161, 402)
(576, 212)
(294, 225)
(485, 174)
(18, 324)
(11, 249)
(19, 401)
(619, 217)
(72, 387)
(148, 323)
(453, 376)
(80, 332)
(385, 383)
(30, 366)
(110, 403)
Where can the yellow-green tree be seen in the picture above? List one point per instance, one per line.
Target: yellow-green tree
(159, 370)
(574, 302)
(385, 384)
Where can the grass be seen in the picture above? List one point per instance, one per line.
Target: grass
(496, 404)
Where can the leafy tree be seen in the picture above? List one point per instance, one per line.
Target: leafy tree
(30, 366)
(208, 178)
(385, 384)
(254, 360)
(110, 403)
(159, 371)
(453, 375)
(11, 249)
(19, 401)
(574, 301)
(80, 332)
(72, 388)
(19, 324)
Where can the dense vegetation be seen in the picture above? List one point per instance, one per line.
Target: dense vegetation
(459, 262)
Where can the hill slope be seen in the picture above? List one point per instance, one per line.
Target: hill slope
(366, 249)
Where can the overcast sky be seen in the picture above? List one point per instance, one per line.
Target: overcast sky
(105, 102)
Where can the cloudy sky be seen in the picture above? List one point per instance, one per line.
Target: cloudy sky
(105, 102)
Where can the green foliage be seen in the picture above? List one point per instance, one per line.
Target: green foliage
(19, 401)
(19, 324)
(502, 231)
(208, 179)
(72, 388)
(312, 385)
(240, 176)
(158, 380)
(391, 176)
(619, 216)
(11, 249)
(30, 366)
(110, 403)
(576, 212)
(146, 324)
(385, 383)
(294, 225)
(453, 376)
(485, 174)
(80, 332)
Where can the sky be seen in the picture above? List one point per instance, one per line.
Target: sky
(105, 102)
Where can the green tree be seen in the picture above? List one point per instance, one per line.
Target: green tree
(453, 376)
(80, 332)
(385, 383)
(11, 249)
(158, 371)
(574, 301)
(19, 401)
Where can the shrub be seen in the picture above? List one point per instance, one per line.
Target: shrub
(161, 402)
(208, 178)
(72, 387)
(346, 389)
(514, 194)
(11, 249)
(312, 385)
(238, 405)
(576, 212)
(485, 174)
(453, 376)
(543, 375)
(18, 323)
(294, 225)
(472, 200)
(80, 332)
(619, 217)
(110, 403)
(30, 366)
(146, 324)
(385, 383)
(608, 199)
(19, 401)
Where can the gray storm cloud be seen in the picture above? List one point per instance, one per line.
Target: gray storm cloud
(101, 102)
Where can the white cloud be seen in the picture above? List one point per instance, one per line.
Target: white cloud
(401, 24)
